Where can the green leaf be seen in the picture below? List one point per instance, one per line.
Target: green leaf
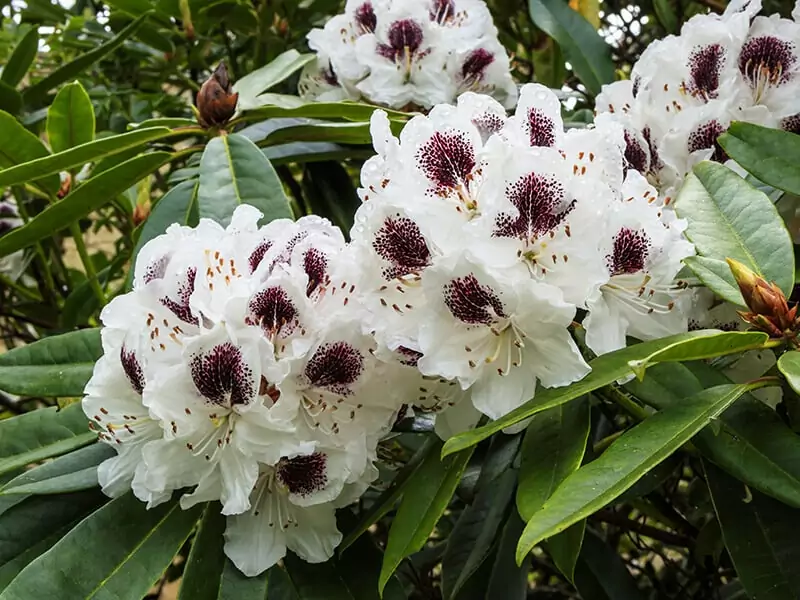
(509, 581)
(278, 105)
(253, 84)
(202, 579)
(728, 218)
(95, 193)
(33, 526)
(33, 167)
(309, 152)
(601, 574)
(329, 190)
(51, 367)
(424, 500)
(35, 93)
(209, 575)
(391, 494)
(353, 576)
(666, 15)
(772, 155)
(135, 545)
(42, 434)
(233, 171)
(789, 365)
(10, 99)
(583, 47)
(608, 368)
(627, 459)
(323, 131)
(21, 58)
(70, 119)
(551, 451)
(473, 537)
(761, 536)
(72, 472)
(749, 440)
(565, 549)
(17, 146)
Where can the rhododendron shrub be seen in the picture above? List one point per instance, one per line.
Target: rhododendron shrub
(428, 330)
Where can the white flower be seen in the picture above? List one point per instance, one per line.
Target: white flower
(407, 54)
(221, 417)
(496, 336)
(113, 403)
(293, 506)
(643, 254)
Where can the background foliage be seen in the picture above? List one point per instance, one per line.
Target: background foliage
(100, 149)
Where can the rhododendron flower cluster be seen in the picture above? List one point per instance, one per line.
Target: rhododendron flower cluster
(261, 365)
(408, 54)
(237, 369)
(482, 239)
(685, 90)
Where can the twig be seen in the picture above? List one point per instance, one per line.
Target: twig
(665, 537)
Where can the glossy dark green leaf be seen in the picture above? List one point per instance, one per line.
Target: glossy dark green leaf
(72, 472)
(565, 548)
(749, 440)
(553, 449)
(10, 99)
(70, 119)
(202, 578)
(772, 155)
(42, 434)
(36, 92)
(233, 171)
(601, 574)
(53, 366)
(789, 365)
(95, 193)
(21, 58)
(253, 84)
(322, 131)
(18, 146)
(354, 576)
(309, 152)
(34, 166)
(475, 533)
(666, 15)
(610, 367)
(33, 526)
(329, 190)
(761, 536)
(509, 581)
(627, 459)
(277, 106)
(424, 500)
(391, 494)
(728, 218)
(583, 47)
(137, 546)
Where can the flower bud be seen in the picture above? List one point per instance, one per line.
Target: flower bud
(140, 213)
(215, 102)
(762, 298)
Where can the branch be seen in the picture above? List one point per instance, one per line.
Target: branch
(665, 537)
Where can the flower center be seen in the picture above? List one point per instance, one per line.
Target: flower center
(631, 248)
(705, 136)
(473, 303)
(475, 65)
(365, 18)
(222, 376)
(766, 61)
(335, 367)
(405, 39)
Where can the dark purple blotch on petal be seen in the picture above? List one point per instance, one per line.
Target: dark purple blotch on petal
(447, 159)
(474, 67)
(705, 136)
(631, 249)
(303, 475)
(180, 307)
(541, 129)
(400, 242)
(541, 206)
(272, 309)
(315, 265)
(335, 366)
(705, 66)
(471, 302)
(405, 37)
(365, 18)
(222, 375)
(767, 60)
(133, 369)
